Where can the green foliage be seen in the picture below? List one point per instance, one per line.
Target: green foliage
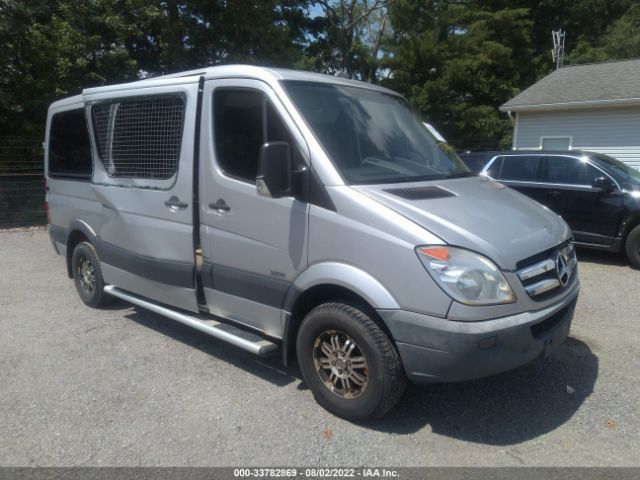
(456, 60)
(55, 48)
(347, 38)
(620, 41)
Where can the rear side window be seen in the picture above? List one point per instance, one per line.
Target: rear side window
(69, 146)
(244, 120)
(520, 168)
(569, 171)
(140, 137)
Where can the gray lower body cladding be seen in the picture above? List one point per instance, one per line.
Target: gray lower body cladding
(439, 350)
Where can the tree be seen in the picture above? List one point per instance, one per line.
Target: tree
(457, 62)
(620, 41)
(347, 38)
(53, 49)
(266, 32)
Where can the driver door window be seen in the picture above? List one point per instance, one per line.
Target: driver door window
(244, 120)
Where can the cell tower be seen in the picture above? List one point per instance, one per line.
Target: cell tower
(558, 47)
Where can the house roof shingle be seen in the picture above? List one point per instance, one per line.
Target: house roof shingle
(574, 86)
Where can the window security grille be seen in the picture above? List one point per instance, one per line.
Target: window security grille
(140, 137)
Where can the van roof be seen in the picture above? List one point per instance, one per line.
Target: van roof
(225, 71)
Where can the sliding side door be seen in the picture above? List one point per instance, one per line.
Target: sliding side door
(143, 143)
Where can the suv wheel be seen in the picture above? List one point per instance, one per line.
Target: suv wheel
(632, 246)
(348, 362)
(87, 275)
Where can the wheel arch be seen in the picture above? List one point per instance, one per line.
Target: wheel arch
(79, 231)
(322, 283)
(629, 224)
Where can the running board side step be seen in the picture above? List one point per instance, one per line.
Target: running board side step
(228, 333)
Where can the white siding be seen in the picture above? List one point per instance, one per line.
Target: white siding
(613, 131)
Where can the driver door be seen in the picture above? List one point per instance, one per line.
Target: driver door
(253, 246)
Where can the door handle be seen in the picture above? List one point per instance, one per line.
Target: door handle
(553, 193)
(175, 203)
(220, 205)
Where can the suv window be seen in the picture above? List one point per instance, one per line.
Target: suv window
(69, 146)
(522, 168)
(244, 120)
(569, 171)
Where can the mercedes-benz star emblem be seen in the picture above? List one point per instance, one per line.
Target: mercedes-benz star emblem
(562, 269)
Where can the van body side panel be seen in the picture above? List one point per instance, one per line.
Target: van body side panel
(380, 242)
(146, 243)
(70, 202)
(254, 250)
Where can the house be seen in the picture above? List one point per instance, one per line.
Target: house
(592, 107)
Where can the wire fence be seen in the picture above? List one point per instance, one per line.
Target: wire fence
(21, 183)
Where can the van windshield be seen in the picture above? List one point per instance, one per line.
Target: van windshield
(373, 137)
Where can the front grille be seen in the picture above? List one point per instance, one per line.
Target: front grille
(547, 273)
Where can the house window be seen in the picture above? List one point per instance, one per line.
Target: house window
(555, 143)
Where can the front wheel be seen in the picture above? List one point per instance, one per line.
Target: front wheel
(349, 362)
(632, 247)
(87, 275)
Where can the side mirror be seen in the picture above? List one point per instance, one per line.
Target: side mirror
(274, 170)
(603, 183)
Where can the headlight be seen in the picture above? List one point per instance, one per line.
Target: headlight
(466, 276)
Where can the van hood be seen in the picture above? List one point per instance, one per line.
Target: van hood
(478, 214)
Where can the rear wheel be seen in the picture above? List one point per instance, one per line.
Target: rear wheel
(348, 362)
(632, 247)
(87, 275)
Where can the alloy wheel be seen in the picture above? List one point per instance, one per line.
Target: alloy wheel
(341, 364)
(86, 275)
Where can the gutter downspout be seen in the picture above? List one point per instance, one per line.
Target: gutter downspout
(514, 121)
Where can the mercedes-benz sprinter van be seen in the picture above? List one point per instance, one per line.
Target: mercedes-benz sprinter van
(310, 214)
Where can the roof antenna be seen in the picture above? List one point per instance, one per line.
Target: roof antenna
(558, 47)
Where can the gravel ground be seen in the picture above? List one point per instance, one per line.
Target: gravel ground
(126, 387)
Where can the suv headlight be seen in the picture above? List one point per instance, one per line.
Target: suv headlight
(466, 276)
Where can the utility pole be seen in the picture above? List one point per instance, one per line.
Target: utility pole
(558, 47)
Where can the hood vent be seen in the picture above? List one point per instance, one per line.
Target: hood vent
(420, 193)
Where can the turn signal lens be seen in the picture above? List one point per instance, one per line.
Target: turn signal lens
(439, 253)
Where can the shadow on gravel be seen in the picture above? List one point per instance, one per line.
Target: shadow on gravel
(115, 303)
(501, 410)
(268, 368)
(602, 257)
(505, 409)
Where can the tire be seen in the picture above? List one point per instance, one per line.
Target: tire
(632, 247)
(327, 333)
(87, 275)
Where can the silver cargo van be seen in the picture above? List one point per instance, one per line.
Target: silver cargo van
(310, 214)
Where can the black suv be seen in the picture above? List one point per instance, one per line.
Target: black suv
(598, 196)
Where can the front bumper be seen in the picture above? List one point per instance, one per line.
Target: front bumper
(439, 350)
